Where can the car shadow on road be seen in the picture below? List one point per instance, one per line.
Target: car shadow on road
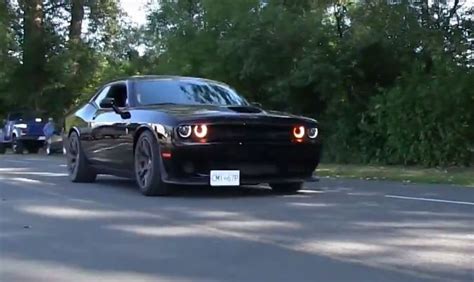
(195, 191)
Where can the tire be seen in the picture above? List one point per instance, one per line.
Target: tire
(148, 166)
(2, 149)
(48, 150)
(33, 150)
(78, 167)
(17, 146)
(286, 188)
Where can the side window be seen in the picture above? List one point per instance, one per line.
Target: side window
(119, 93)
(101, 95)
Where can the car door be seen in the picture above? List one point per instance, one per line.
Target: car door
(87, 125)
(109, 130)
(8, 128)
(3, 130)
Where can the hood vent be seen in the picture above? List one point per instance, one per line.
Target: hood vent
(243, 109)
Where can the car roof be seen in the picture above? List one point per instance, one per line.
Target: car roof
(165, 77)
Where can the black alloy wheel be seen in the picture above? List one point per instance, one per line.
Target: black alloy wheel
(147, 166)
(143, 162)
(78, 167)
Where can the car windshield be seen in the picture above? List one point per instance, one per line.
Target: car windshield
(186, 92)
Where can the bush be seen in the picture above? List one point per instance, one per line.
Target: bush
(426, 119)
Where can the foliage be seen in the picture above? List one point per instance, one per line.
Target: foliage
(429, 124)
(388, 83)
(453, 175)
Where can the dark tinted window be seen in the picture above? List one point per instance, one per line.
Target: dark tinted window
(186, 92)
(119, 93)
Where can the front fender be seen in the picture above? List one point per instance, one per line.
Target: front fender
(161, 132)
(15, 132)
(73, 129)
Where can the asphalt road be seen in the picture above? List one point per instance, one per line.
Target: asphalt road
(335, 230)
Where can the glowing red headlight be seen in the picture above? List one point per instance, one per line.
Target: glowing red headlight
(200, 131)
(298, 132)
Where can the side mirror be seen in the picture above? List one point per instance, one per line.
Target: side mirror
(107, 103)
(256, 104)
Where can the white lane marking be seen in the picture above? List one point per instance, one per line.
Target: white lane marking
(430, 200)
(309, 191)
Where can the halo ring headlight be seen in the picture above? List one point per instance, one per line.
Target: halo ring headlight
(200, 131)
(298, 132)
(184, 131)
(313, 132)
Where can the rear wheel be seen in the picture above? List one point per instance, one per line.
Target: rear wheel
(2, 148)
(286, 188)
(78, 166)
(17, 145)
(33, 149)
(147, 166)
(47, 149)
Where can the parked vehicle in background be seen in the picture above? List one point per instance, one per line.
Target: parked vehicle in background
(54, 145)
(23, 130)
(54, 139)
(165, 130)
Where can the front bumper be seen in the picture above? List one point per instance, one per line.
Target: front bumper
(190, 164)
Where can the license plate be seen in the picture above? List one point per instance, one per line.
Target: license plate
(225, 177)
(41, 138)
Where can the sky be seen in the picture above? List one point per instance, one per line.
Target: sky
(135, 10)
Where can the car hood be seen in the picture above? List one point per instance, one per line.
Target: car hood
(213, 113)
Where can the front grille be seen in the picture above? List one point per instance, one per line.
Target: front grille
(254, 133)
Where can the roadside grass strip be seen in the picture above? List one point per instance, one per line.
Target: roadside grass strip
(456, 175)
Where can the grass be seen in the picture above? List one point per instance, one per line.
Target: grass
(459, 176)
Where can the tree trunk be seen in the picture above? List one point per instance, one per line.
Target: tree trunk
(34, 51)
(77, 16)
(75, 31)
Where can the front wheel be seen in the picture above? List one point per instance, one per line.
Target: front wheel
(286, 188)
(147, 166)
(78, 166)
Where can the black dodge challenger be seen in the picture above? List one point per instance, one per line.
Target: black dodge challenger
(166, 130)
